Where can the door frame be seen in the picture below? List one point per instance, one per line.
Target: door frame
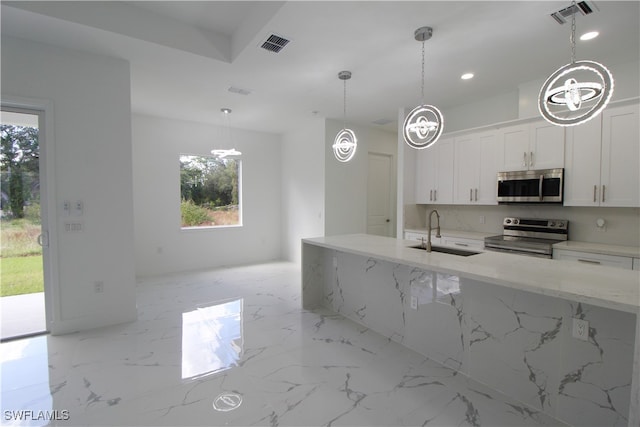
(392, 190)
(48, 213)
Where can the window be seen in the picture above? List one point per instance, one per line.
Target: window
(210, 191)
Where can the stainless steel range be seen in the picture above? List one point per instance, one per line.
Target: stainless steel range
(527, 236)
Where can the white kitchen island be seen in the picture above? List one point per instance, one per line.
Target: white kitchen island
(504, 320)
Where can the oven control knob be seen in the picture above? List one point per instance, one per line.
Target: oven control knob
(552, 224)
(515, 221)
(508, 221)
(560, 224)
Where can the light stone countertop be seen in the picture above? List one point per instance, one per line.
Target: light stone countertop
(607, 287)
(599, 248)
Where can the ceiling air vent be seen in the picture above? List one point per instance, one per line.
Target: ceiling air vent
(581, 7)
(382, 122)
(274, 43)
(239, 90)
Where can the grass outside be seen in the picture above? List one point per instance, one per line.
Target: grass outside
(21, 275)
(217, 217)
(20, 258)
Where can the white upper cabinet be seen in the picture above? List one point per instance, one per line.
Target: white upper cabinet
(603, 159)
(434, 173)
(538, 145)
(476, 166)
(582, 165)
(619, 175)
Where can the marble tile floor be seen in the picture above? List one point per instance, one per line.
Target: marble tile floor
(257, 358)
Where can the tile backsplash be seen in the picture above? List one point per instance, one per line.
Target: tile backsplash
(622, 225)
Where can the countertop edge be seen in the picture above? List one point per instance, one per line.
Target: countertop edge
(487, 261)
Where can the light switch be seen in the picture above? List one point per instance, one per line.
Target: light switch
(79, 208)
(66, 208)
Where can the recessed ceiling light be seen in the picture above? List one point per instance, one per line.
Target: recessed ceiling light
(590, 35)
(466, 76)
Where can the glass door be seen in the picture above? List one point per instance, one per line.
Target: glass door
(22, 239)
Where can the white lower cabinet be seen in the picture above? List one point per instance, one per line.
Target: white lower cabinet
(594, 259)
(445, 240)
(420, 237)
(463, 243)
(411, 235)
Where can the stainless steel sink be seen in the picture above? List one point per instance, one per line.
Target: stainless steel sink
(446, 250)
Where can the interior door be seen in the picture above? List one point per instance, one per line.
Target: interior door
(379, 186)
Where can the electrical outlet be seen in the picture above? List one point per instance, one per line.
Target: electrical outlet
(414, 303)
(581, 329)
(98, 286)
(482, 219)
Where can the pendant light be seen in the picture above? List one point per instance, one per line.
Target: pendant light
(569, 96)
(424, 124)
(345, 142)
(222, 153)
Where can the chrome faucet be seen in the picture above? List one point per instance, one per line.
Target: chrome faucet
(429, 228)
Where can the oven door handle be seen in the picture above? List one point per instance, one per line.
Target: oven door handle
(540, 186)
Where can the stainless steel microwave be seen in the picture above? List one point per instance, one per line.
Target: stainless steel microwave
(533, 186)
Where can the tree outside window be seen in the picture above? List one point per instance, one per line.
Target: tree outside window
(210, 191)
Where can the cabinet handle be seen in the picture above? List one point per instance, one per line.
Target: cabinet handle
(524, 159)
(531, 159)
(595, 188)
(470, 195)
(589, 261)
(476, 194)
(435, 195)
(431, 195)
(603, 190)
(460, 244)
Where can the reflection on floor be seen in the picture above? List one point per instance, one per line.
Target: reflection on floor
(260, 360)
(22, 315)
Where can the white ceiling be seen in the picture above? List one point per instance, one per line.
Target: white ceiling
(185, 55)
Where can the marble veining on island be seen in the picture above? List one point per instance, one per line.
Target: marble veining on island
(517, 342)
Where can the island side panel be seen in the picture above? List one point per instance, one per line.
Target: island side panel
(313, 275)
(596, 375)
(514, 341)
(634, 407)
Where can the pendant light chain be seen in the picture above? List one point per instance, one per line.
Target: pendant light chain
(573, 32)
(422, 87)
(345, 106)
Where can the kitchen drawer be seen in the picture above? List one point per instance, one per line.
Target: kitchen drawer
(594, 259)
(462, 243)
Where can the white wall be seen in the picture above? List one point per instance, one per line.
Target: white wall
(303, 164)
(90, 95)
(346, 183)
(160, 244)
